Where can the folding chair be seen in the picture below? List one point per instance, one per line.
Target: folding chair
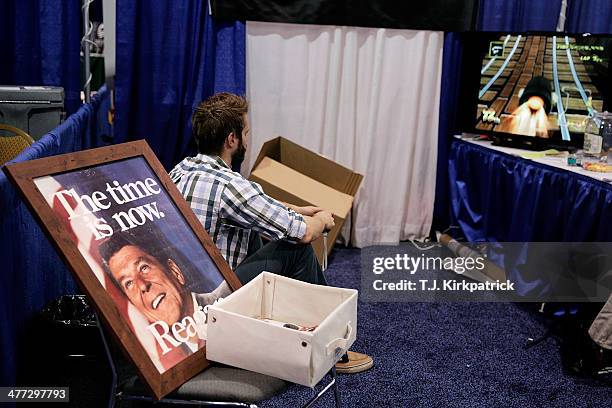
(217, 386)
(12, 142)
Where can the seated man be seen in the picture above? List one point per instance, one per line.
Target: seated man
(235, 211)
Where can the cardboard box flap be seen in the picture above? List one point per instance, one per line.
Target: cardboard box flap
(306, 188)
(296, 175)
(310, 164)
(353, 184)
(269, 149)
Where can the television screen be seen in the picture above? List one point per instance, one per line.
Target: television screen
(537, 85)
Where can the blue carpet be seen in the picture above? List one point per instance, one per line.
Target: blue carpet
(450, 355)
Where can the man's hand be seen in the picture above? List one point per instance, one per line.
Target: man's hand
(309, 210)
(327, 218)
(316, 225)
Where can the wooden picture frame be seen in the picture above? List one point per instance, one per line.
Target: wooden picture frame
(88, 201)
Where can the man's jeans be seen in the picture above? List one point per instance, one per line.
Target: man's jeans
(295, 261)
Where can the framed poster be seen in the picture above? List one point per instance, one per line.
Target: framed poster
(136, 249)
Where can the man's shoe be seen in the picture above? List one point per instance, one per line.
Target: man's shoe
(352, 363)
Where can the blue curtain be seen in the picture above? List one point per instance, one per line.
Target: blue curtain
(32, 274)
(169, 58)
(40, 43)
(518, 15)
(447, 124)
(493, 15)
(592, 16)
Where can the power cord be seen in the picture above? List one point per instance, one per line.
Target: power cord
(85, 41)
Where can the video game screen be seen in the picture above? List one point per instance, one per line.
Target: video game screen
(544, 86)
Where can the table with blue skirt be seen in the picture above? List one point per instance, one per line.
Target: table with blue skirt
(498, 196)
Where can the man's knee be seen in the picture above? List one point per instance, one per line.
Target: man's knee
(305, 252)
(303, 249)
(307, 249)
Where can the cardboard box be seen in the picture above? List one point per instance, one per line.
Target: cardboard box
(283, 328)
(290, 173)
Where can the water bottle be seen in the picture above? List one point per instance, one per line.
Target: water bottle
(598, 138)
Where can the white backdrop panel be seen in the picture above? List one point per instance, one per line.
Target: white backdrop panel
(367, 98)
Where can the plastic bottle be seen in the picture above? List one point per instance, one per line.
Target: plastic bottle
(598, 138)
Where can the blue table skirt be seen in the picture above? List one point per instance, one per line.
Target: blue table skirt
(496, 197)
(499, 197)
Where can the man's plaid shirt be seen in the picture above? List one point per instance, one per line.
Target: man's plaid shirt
(229, 206)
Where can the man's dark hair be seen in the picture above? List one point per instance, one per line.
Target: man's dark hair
(215, 118)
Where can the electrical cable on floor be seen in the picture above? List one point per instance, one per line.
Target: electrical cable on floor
(424, 245)
(451, 227)
(423, 248)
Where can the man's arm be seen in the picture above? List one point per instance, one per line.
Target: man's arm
(308, 210)
(317, 220)
(245, 203)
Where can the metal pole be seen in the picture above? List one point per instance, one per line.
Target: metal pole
(324, 265)
(85, 46)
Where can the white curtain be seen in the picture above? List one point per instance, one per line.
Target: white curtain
(367, 98)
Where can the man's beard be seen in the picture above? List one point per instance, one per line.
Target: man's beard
(238, 157)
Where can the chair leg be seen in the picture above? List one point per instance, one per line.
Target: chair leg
(173, 401)
(336, 389)
(113, 388)
(116, 398)
(332, 384)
